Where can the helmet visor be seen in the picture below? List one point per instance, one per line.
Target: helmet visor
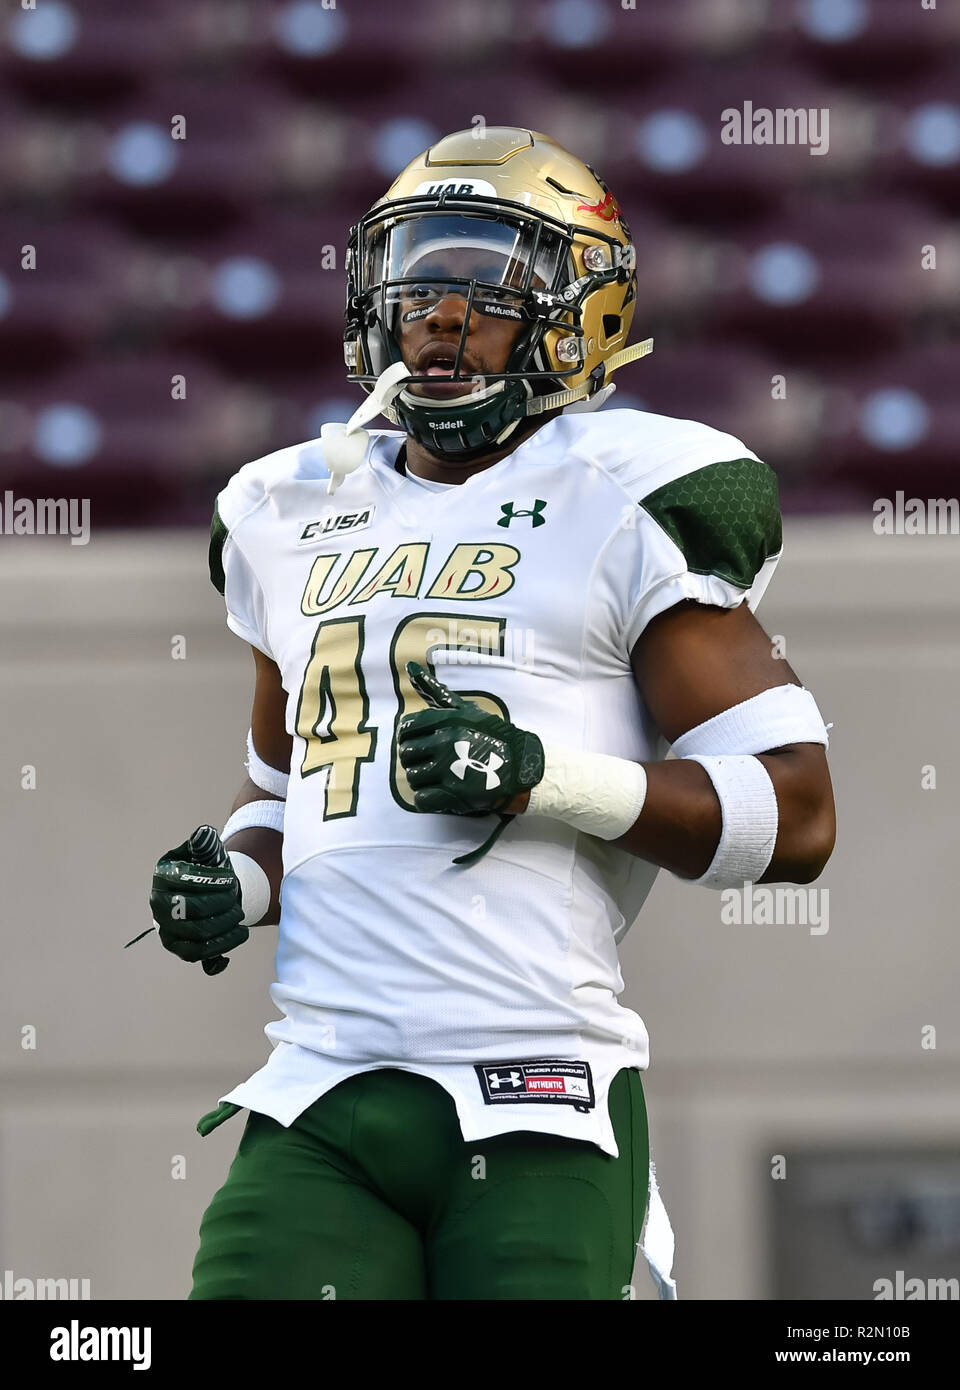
(409, 263)
(497, 251)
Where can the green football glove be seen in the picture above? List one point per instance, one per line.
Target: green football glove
(195, 901)
(459, 759)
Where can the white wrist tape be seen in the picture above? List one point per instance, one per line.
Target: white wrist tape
(266, 813)
(785, 714)
(593, 792)
(262, 775)
(254, 887)
(748, 802)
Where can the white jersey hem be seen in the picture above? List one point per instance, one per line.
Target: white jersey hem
(294, 1077)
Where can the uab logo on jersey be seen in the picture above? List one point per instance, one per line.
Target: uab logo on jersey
(473, 571)
(335, 522)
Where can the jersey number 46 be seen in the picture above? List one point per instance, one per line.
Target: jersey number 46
(333, 707)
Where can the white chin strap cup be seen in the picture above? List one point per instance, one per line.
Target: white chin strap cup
(593, 402)
(345, 446)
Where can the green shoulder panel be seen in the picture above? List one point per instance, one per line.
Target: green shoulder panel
(218, 534)
(725, 518)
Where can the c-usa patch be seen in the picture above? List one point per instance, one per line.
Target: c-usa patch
(311, 532)
(545, 1081)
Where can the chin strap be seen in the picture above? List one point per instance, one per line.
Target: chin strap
(590, 388)
(345, 446)
(590, 403)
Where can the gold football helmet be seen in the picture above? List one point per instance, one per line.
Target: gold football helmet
(525, 232)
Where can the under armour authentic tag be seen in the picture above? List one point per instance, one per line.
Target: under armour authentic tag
(549, 1080)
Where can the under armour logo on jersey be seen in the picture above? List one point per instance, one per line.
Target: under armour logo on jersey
(510, 513)
(463, 761)
(495, 1080)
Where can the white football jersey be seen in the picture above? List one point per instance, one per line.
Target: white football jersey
(525, 588)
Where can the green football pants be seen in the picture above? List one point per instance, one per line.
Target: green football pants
(372, 1193)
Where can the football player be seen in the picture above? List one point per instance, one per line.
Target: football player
(477, 636)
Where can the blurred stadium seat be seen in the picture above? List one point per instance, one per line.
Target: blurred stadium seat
(921, 152)
(147, 439)
(339, 50)
(865, 41)
(64, 306)
(590, 44)
(822, 279)
(273, 295)
(186, 157)
(894, 426)
(839, 273)
(87, 50)
(668, 145)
